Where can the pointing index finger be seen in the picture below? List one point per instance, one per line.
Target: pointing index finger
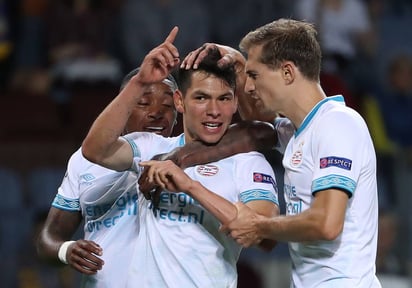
(172, 35)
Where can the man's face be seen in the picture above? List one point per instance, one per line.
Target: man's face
(207, 107)
(154, 112)
(264, 84)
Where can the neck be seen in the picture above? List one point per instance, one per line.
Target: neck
(302, 102)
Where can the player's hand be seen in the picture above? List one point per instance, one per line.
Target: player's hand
(229, 56)
(83, 255)
(167, 175)
(243, 228)
(151, 191)
(160, 61)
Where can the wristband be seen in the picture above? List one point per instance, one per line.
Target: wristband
(63, 251)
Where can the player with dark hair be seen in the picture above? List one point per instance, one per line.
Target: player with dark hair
(106, 200)
(330, 164)
(179, 243)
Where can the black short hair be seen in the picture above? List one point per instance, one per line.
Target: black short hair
(209, 65)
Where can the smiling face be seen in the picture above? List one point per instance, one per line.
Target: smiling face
(207, 106)
(154, 111)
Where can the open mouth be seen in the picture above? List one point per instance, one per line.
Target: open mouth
(155, 129)
(211, 126)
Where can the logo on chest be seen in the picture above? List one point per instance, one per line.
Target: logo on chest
(297, 156)
(207, 170)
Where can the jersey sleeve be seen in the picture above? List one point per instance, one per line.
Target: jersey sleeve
(67, 197)
(255, 179)
(145, 145)
(337, 152)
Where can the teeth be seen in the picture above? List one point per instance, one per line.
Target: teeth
(155, 128)
(213, 125)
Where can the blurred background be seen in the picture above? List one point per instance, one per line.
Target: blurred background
(61, 63)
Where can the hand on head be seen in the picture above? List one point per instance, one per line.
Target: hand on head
(229, 56)
(160, 61)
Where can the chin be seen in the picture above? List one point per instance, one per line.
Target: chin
(211, 140)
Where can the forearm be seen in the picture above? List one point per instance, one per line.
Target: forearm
(103, 135)
(59, 227)
(48, 247)
(307, 226)
(218, 206)
(241, 137)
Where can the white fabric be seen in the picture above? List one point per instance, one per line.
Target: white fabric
(333, 149)
(108, 202)
(179, 243)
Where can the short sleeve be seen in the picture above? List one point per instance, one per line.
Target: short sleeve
(338, 151)
(67, 197)
(255, 178)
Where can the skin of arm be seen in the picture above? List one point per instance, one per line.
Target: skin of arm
(60, 226)
(322, 221)
(102, 144)
(169, 176)
(254, 133)
(241, 137)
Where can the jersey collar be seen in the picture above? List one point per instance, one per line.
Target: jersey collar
(308, 118)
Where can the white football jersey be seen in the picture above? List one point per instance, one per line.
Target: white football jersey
(179, 243)
(108, 202)
(333, 149)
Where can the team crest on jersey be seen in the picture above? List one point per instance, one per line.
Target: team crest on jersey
(339, 162)
(263, 178)
(297, 156)
(207, 170)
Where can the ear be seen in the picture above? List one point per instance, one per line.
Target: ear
(178, 100)
(288, 72)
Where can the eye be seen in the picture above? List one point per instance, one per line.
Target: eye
(252, 75)
(226, 97)
(143, 103)
(169, 106)
(200, 97)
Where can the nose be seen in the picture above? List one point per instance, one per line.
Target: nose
(213, 108)
(249, 86)
(156, 113)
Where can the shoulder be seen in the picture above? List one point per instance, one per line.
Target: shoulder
(250, 160)
(337, 115)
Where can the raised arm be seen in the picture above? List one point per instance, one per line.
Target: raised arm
(103, 144)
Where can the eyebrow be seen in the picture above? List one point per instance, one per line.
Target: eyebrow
(205, 94)
(251, 71)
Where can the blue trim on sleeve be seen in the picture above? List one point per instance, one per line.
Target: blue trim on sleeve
(338, 98)
(258, 194)
(135, 149)
(67, 204)
(334, 181)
